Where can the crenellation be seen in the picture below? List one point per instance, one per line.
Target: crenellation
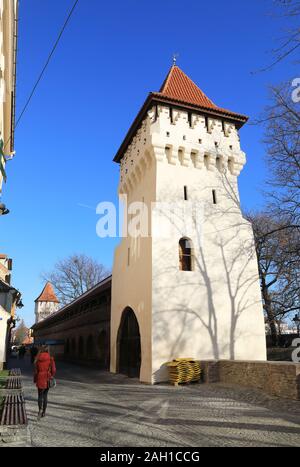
(199, 143)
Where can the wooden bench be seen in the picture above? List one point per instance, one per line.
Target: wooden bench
(15, 372)
(13, 413)
(13, 382)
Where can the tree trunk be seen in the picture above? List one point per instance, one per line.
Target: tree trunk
(269, 312)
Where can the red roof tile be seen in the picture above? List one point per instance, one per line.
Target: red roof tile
(179, 90)
(180, 87)
(48, 294)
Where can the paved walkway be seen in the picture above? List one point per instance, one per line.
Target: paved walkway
(91, 408)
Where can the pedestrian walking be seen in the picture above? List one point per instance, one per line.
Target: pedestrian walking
(22, 352)
(33, 353)
(44, 372)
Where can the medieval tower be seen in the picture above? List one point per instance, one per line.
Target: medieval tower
(46, 304)
(191, 290)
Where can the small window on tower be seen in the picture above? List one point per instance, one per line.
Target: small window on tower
(185, 193)
(214, 194)
(128, 257)
(185, 255)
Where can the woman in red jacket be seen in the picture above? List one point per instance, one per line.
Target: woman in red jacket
(44, 370)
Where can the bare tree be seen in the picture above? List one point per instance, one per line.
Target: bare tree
(21, 333)
(75, 275)
(289, 43)
(282, 138)
(277, 248)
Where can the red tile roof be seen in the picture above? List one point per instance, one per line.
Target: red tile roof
(180, 91)
(180, 87)
(48, 294)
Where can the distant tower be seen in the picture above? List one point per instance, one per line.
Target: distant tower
(46, 304)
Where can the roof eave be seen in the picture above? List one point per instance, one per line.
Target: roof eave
(156, 98)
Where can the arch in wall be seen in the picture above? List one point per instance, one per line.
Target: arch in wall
(129, 345)
(81, 347)
(67, 347)
(103, 349)
(90, 348)
(73, 347)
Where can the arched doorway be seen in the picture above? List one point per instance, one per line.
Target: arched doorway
(81, 347)
(129, 345)
(67, 347)
(103, 350)
(73, 347)
(90, 350)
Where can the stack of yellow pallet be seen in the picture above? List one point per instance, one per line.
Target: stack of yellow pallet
(184, 370)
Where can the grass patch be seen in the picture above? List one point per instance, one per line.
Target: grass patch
(3, 378)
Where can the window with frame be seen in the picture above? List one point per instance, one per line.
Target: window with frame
(186, 254)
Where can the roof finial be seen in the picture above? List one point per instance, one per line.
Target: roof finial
(175, 56)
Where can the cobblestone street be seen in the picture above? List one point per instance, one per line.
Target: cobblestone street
(91, 408)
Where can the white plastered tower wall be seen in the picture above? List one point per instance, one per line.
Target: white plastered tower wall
(132, 269)
(44, 309)
(214, 311)
(46, 304)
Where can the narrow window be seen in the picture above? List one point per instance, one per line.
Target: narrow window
(214, 194)
(128, 257)
(185, 255)
(185, 193)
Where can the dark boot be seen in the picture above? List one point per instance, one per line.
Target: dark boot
(40, 414)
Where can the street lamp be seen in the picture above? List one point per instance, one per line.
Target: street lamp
(3, 210)
(296, 320)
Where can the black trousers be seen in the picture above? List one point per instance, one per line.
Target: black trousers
(43, 399)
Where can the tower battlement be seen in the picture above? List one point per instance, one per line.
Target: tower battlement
(177, 137)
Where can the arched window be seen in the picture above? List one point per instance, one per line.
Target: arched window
(185, 255)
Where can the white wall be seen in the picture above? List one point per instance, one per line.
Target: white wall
(4, 316)
(214, 311)
(45, 309)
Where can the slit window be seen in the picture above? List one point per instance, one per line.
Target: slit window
(185, 193)
(128, 257)
(185, 255)
(214, 195)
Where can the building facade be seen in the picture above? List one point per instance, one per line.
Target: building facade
(46, 304)
(190, 288)
(8, 50)
(80, 331)
(185, 276)
(10, 299)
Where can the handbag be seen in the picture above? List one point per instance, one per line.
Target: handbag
(52, 380)
(52, 383)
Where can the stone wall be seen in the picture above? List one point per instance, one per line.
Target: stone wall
(281, 379)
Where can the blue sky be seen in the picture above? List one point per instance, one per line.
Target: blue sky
(111, 55)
